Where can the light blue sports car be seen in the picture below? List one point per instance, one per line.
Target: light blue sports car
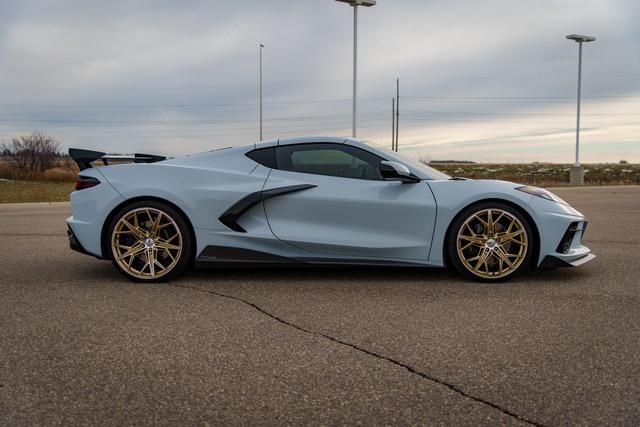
(314, 200)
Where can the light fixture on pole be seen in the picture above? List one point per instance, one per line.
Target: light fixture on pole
(355, 4)
(577, 173)
(261, 46)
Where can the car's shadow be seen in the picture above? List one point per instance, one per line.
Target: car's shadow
(331, 273)
(371, 274)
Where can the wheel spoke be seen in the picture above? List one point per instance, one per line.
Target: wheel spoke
(482, 221)
(151, 261)
(470, 230)
(168, 252)
(502, 255)
(507, 237)
(158, 263)
(130, 262)
(134, 250)
(473, 239)
(153, 232)
(513, 221)
(133, 228)
(468, 245)
(164, 245)
(169, 239)
(482, 259)
(491, 228)
(135, 220)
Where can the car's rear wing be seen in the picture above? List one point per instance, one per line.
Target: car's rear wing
(84, 158)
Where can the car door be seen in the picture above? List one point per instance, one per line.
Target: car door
(341, 206)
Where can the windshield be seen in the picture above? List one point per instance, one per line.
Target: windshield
(414, 164)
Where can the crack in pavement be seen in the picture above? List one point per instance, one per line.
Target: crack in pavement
(409, 368)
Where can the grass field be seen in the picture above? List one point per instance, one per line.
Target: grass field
(34, 191)
(543, 175)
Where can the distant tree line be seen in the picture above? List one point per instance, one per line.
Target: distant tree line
(451, 161)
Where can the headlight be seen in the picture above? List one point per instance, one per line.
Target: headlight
(541, 192)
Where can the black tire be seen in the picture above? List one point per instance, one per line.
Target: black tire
(174, 260)
(466, 266)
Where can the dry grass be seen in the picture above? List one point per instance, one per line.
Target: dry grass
(6, 171)
(545, 175)
(64, 170)
(34, 191)
(60, 174)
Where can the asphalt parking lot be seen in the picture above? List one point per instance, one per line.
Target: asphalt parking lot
(79, 344)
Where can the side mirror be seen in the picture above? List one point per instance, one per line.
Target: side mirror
(394, 171)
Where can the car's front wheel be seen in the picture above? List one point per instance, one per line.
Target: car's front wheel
(149, 241)
(490, 242)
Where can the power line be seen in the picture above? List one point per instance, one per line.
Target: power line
(510, 98)
(379, 114)
(464, 113)
(251, 133)
(590, 76)
(319, 101)
(333, 82)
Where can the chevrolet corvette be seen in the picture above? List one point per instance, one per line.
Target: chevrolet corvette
(312, 200)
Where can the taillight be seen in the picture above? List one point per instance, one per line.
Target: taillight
(86, 182)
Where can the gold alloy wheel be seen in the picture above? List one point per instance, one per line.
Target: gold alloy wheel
(492, 243)
(146, 243)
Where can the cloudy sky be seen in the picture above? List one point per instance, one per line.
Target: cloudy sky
(480, 80)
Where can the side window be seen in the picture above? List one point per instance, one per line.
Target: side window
(329, 159)
(264, 156)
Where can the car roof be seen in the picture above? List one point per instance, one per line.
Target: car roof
(303, 140)
(311, 139)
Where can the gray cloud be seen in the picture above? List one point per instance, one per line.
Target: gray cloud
(177, 77)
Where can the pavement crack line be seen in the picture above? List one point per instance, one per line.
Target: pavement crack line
(409, 368)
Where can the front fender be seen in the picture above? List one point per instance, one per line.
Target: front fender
(551, 219)
(453, 196)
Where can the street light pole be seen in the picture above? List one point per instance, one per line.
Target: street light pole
(577, 162)
(577, 173)
(261, 46)
(355, 68)
(355, 4)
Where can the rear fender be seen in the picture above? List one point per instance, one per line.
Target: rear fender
(90, 207)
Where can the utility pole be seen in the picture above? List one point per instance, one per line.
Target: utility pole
(397, 110)
(393, 124)
(261, 47)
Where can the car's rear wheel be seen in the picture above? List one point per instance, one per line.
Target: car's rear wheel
(490, 242)
(149, 241)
